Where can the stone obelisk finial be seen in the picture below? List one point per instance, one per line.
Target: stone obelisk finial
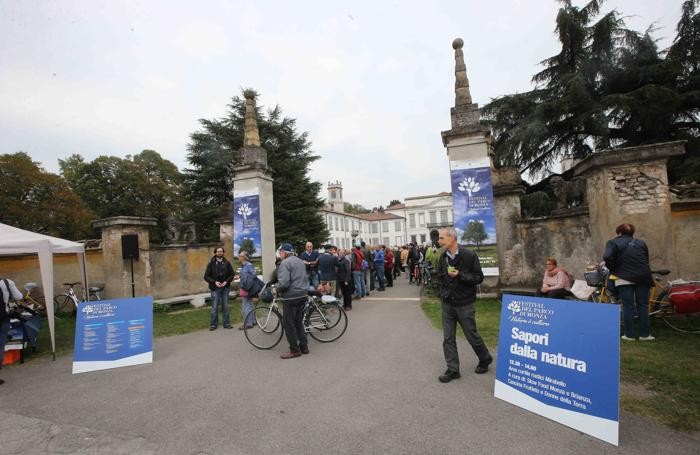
(251, 135)
(462, 95)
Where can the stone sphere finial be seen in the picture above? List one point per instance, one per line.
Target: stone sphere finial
(249, 94)
(457, 43)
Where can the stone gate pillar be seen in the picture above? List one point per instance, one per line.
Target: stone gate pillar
(253, 177)
(630, 185)
(117, 270)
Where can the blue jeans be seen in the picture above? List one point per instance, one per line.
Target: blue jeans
(247, 307)
(635, 297)
(219, 296)
(4, 330)
(380, 276)
(313, 279)
(358, 278)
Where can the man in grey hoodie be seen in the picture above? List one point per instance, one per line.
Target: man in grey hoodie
(293, 285)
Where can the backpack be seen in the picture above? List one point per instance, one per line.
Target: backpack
(364, 265)
(257, 286)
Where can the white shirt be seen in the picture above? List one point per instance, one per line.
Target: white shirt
(6, 293)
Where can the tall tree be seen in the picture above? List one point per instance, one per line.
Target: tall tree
(143, 185)
(608, 86)
(212, 157)
(36, 200)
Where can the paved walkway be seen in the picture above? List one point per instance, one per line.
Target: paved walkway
(373, 391)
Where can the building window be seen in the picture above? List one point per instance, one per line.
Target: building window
(443, 216)
(346, 224)
(385, 226)
(375, 228)
(330, 223)
(332, 194)
(422, 238)
(421, 219)
(413, 239)
(412, 220)
(336, 224)
(432, 216)
(397, 226)
(399, 240)
(386, 241)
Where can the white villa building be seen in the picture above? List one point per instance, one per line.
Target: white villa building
(411, 221)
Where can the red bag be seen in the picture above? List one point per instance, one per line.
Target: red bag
(685, 298)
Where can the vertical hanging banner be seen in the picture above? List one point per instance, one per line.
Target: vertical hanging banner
(473, 212)
(561, 359)
(113, 333)
(246, 222)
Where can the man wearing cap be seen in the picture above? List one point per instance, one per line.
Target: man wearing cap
(293, 285)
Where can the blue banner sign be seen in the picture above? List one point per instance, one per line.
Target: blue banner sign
(246, 223)
(473, 211)
(561, 359)
(113, 333)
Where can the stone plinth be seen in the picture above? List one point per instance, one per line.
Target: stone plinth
(630, 185)
(117, 271)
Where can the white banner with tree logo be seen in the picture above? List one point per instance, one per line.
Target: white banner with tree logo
(246, 222)
(474, 216)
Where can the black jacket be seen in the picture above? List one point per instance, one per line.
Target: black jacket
(211, 277)
(327, 267)
(344, 272)
(460, 290)
(628, 258)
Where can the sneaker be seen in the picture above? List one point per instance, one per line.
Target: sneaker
(228, 326)
(483, 365)
(449, 375)
(212, 327)
(626, 338)
(304, 349)
(647, 338)
(290, 355)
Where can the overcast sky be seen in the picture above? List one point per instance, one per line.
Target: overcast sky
(371, 81)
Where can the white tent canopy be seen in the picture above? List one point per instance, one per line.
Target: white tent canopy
(19, 241)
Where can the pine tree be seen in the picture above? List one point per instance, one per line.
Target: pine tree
(212, 156)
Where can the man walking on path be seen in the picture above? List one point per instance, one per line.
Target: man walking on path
(293, 285)
(219, 275)
(358, 273)
(459, 271)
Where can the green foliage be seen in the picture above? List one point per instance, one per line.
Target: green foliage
(248, 245)
(394, 202)
(607, 87)
(143, 185)
(355, 208)
(39, 201)
(212, 155)
(475, 233)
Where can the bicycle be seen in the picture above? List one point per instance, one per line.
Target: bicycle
(323, 321)
(416, 273)
(67, 302)
(427, 275)
(36, 304)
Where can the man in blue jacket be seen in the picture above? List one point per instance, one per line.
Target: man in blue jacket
(378, 260)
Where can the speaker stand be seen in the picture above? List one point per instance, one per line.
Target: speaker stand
(133, 284)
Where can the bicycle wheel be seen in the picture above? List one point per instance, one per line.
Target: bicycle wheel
(263, 327)
(326, 323)
(686, 323)
(94, 297)
(63, 304)
(660, 305)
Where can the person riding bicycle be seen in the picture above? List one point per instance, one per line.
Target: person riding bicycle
(7, 290)
(292, 287)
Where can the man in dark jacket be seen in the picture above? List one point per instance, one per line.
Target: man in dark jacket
(459, 271)
(628, 259)
(219, 275)
(328, 267)
(345, 279)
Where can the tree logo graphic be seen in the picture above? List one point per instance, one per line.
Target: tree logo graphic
(469, 185)
(514, 307)
(244, 211)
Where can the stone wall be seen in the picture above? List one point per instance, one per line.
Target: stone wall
(685, 222)
(179, 270)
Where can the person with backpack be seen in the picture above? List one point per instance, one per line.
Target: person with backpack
(628, 259)
(459, 272)
(358, 266)
(219, 274)
(8, 290)
(249, 286)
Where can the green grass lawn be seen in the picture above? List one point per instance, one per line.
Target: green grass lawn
(167, 321)
(661, 379)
